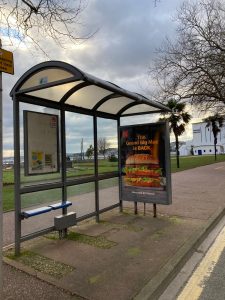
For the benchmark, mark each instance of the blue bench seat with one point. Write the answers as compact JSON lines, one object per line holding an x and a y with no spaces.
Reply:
{"x":36,"y":211}
{"x":41,"y":210}
{"x":60,"y":205}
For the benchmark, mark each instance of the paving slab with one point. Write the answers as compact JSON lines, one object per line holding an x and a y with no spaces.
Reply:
{"x":141,"y":248}
{"x":146,"y":251}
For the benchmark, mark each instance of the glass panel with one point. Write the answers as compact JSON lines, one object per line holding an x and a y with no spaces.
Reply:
{"x":107,"y":145}
{"x":34,"y":179}
{"x":114,"y":105}
{"x":38,"y":179}
{"x":54,"y":93}
{"x":83,"y":198}
{"x":88,"y":96}
{"x":40,"y":199}
{"x":46,"y":76}
{"x":108,"y":192}
{"x":139,"y":109}
{"x":43,"y":198}
{"x":79,"y":145}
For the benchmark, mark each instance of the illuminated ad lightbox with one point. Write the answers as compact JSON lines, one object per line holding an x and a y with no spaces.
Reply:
{"x":41,"y":143}
{"x":145,"y":163}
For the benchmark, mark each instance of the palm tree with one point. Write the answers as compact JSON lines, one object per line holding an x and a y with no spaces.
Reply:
{"x":216,"y":122}
{"x":178,"y":119}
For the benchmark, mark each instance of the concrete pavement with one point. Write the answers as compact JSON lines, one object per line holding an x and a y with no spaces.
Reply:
{"x":145,"y":252}
{"x":19,"y":285}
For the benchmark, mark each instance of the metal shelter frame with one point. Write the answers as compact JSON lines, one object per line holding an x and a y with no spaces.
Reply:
{"x":61,"y":86}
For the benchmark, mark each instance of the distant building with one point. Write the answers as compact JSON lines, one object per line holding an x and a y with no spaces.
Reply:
{"x":184,"y":148}
{"x":203,"y":139}
{"x":112,"y":151}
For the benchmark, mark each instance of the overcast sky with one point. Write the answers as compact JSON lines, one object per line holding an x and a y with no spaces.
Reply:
{"x":128,"y":32}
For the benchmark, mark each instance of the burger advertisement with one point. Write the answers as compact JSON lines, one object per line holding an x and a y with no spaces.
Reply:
{"x":145,"y":163}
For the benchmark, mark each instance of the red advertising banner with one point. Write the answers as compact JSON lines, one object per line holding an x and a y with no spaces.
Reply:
{"x":145,"y":163}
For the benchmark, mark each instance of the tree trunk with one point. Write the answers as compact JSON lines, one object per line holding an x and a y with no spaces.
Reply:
{"x":215,"y":142}
{"x":177,"y":151}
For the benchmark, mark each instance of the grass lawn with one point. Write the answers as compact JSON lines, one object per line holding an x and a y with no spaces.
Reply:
{"x":190,"y":162}
{"x":8,"y":197}
{"x":81,"y":169}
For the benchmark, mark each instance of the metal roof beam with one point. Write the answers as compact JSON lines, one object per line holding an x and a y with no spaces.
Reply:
{"x":103,"y":100}
{"x":142,"y":113}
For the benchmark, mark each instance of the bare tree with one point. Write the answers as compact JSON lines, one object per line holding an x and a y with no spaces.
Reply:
{"x":193,"y":66}
{"x":34,"y":19}
{"x":103,"y":145}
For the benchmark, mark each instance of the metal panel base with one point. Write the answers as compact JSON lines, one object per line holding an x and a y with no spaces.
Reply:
{"x":64,"y":221}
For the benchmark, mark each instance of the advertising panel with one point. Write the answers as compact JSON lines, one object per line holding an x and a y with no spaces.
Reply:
{"x":145,"y":163}
{"x":41,"y":153}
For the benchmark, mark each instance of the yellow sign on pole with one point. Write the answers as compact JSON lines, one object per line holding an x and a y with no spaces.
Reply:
{"x":6,"y":62}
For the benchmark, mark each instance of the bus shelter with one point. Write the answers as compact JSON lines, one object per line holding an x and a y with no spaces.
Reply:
{"x":65,"y":88}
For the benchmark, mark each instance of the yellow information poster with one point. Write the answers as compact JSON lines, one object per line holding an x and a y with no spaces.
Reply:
{"x":37,"y":162}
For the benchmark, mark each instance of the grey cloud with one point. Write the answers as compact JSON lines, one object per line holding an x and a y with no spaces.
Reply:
{"x":129,"y":33}
{"x":121,"y":51}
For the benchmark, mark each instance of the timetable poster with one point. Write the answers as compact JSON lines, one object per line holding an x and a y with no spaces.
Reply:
{"x":41,"y":143}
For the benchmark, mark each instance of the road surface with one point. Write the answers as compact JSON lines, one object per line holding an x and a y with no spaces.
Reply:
{"x":203,"y":276}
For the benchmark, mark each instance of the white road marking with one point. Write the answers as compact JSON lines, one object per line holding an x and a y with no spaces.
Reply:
{"x":196,"y":283}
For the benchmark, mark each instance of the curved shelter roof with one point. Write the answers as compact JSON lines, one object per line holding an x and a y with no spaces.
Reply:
{"x":58,"y":84}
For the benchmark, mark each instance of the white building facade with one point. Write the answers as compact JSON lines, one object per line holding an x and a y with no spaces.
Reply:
{"x":203,"y":139}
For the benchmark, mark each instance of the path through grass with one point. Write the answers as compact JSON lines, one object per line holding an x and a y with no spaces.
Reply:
{"x":186,"y":162}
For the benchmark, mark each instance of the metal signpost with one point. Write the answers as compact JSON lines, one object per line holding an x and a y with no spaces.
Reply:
{"x":6,"y":66}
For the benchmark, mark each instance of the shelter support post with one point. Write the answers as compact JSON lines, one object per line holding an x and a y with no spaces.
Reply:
{"x":1,"y":182}
{"x":119,"y":166}
{"x":96,"y":167}
{"x":63,"y":162}
{"x":135,"y":208}
{"x":16,"y":120}
{"x":154,"y":210}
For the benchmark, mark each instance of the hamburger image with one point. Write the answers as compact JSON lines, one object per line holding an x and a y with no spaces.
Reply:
{"x":142,"y":170}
